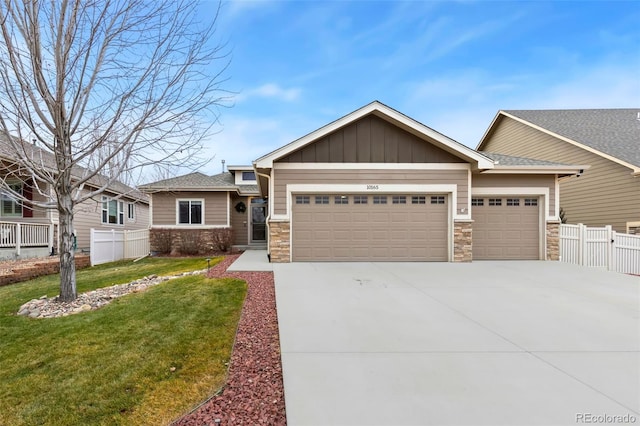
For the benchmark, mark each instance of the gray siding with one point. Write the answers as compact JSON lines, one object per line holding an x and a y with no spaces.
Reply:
{"x":240,"y":221}
{"x":518,"y":181}
{"x":371,"y":140}
{"x":606,"y":194}
{"x":367,"y":176}
{"x":164,"y":207}
{"x":88,"y":214}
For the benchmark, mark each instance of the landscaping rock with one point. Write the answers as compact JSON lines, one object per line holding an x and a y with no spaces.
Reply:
{"x":45,"y":307}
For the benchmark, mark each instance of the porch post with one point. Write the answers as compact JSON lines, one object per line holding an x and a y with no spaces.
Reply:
{"x":18,"y":238}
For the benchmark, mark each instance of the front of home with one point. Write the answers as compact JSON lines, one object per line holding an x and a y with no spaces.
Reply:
{"x":376,"y":185}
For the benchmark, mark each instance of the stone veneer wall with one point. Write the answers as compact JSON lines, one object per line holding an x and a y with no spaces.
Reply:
{"x":462,"y":241}
{"x":280,"y":242}
{"x":553,"y":240}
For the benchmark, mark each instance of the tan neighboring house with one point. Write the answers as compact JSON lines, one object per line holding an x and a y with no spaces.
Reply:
{"x":197,"y":206}
{"x":29,"y":231}
{"x":608,"y":140}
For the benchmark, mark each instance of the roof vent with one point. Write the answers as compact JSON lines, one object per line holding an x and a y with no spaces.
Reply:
{"x":638,"y":117}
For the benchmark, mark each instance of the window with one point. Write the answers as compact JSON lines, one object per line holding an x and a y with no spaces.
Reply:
{"x":248,"y":176}
{"x":530,"y":201}
{"x":131,"y":211}
{"x":495,"y":201}
{"x":302,"y":199}
{"x":477,"y":201}
{"x":360,"y":199}
{"x":513,"y":201}
{"x":322,"y":199}
{"x":438,"y":199}
{"x":11,"y":206}
{"x":379,"y":199}
{"x":112,"y":211}
{"x":418,"y":199}
{"x":190,"y":212}
{"x":399,"y":199}
{"x":341,"y":199}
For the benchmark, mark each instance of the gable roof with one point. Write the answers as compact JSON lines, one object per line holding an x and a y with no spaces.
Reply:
{"x":197,"y":181}
{"x":381,"y":110}
{"x":47,"y":159}
{"x":611,"y":133}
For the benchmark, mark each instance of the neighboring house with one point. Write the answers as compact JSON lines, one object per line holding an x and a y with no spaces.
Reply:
{"x":197,"y":204}
{"x":120,"y":207}
{"x":608,"y":140}
{"x":376,"y":185}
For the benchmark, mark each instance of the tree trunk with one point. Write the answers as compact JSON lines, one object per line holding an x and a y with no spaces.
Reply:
{"x":68,"y":290}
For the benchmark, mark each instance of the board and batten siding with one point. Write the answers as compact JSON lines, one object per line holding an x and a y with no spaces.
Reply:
{"x":88,"y":214}
{"x":518,"y":181}
{"x":606,"y":194}
{"x":370,"y":140}
{"x":283,"y":177}
{"x":165,"y":207}
{"x":240,"y":221}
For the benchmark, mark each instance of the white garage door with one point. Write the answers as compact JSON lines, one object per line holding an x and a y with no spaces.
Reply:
{"x":506,"y":228}
{"x":354,"y":227}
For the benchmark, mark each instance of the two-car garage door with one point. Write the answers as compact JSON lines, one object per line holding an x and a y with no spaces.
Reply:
{"x":363,"y":227}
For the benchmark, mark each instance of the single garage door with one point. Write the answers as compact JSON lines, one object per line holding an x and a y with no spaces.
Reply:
{"x":506,"y":228}
{"x":354,"y":227}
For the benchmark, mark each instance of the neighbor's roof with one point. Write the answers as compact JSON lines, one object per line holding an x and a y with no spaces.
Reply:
{"x":504,"y":163}
{"x":47,"y":159}
{"x":614,"y":132}
{"x":197,"y":181}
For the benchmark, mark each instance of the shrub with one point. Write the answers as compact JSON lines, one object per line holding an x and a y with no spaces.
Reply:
{"x":222,"y":238}
{"x":190,"y":242}
{"x":161,"y":240}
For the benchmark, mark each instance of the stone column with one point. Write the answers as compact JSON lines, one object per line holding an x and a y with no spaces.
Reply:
{"x":462,"y":241}
{"x":553,"y":240}
{"x":280,"y":242}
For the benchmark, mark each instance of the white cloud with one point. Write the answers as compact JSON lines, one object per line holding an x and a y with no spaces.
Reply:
{"x":271,"y":90}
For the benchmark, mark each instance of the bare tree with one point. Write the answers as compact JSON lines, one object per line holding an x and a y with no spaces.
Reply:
{"x":105,"y":87}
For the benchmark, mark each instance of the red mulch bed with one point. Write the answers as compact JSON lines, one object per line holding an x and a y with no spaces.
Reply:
{"x":254,"y":393}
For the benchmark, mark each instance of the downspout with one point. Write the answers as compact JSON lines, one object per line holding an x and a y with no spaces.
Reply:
{"x":268,"y":177}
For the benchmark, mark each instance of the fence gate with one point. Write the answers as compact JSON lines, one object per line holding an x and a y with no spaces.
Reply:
{"x":600,"y":247}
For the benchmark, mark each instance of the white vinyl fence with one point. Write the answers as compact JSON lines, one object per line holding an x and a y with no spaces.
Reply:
{"x":109,"y":246}
{"x":600,"y":247}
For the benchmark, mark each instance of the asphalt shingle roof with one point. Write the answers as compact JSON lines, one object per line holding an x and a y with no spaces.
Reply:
{"x":200,"y":181}
{"x":615,"y":132}
{"x":509,"y":160}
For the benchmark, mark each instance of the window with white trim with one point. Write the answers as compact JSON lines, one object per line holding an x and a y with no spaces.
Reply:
{"x":112,"y":211}
{"x":190,"y":212}
{"x":341,"y":199}
{"x":530,"y":201}
{"x":438,"y":199}
{"x":131,"y":211}
{"x":399,"y":199}
{"x":10,"y":205}
{"x":379,"y":199}
{"x":495,"y":201}
{"x":418,"y":199}
{"x":477,"y":201}
{"x":360,"y":199}
{"x":322,"y":199}
{"x":513,"y":201}
{"x":302,"y":199}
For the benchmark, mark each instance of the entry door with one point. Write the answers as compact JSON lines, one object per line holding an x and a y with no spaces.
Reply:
{"x":258,"y":220}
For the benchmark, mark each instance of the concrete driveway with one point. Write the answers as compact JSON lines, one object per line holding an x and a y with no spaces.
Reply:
{"x":485,"y":343}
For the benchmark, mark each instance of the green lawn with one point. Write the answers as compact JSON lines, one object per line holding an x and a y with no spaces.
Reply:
{"x":145,"y":358}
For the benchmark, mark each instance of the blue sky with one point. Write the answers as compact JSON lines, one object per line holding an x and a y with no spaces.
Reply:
{"x":298,"y":65}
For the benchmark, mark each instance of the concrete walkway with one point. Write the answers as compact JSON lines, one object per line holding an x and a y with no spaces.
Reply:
{"x":250,"y":261}
{"x":486,"y":343}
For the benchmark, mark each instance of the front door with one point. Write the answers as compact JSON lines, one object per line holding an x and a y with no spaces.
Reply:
{"x":258,"y":220}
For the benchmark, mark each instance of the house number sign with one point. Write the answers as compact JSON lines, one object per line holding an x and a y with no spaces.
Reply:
{"x":372,"y":187}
